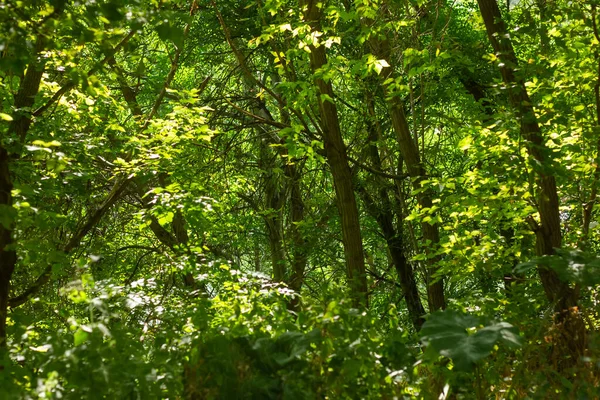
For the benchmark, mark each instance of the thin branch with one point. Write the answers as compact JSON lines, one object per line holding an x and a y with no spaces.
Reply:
{"x":246,"y":71}
{"x":137,"y":265}
{"x":377,"y":172}
{"x":136,"y":247}
{"x":256,"y":117}
{"x":382,"y":278}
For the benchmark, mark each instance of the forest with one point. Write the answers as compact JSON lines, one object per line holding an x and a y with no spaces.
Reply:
{"x":311,"y":199}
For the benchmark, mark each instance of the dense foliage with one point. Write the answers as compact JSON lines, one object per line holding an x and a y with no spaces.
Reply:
{"x":278,"y":199}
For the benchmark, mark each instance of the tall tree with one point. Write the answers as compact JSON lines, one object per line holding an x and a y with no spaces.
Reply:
{"x":548,"y":231}
{"x":411,"y":156}
{"x":335,"y":151}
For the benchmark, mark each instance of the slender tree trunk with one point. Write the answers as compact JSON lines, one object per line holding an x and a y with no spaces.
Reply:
{"x":417,"y":172}
{"x":384,"y":216}
{"x":548,"y":233}
{"x":335,"y":151}
{"x":299,"y":249}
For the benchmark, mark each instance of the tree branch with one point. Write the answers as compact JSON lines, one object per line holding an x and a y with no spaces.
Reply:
{"x":71,"y":84}
{"x":75,"y":240}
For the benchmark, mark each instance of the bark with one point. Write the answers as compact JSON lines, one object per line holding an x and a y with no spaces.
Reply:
{"x":510,"y":278}
{"x":384,"y":215}
{"x":299,"y":250}
{"x":179,"y":228}
{"x":299,"y":242}
{"x":257,"y":256}
{"x":335,"y":151}
{"x":548,"y":232}
{"x":417,"y":172}
{"x":477,"y":90}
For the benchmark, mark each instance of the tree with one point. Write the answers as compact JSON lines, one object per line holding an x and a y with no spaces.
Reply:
{"x":228,"y":199}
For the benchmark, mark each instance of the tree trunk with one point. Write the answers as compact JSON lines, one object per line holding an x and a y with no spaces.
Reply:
{"x":416,"y":170}
{"x":335,"y":151}
{"x":548,"y":233}
{"x":385,"y":219}
{"x":299,"y":249}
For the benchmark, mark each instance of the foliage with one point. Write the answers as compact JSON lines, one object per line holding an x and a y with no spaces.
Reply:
{"x":176,"y":209}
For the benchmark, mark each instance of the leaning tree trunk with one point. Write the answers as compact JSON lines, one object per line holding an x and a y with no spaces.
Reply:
{"x":548,"y":232}
{"x":335,"y":151}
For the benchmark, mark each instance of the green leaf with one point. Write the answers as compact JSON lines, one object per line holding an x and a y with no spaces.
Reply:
{"x":448,"y":332}
{"x":79,"y":337}
{"x":326,"y":97}
{"x":166,"y":218}
{"x":168,"y":32}
{"x":571,"y":266}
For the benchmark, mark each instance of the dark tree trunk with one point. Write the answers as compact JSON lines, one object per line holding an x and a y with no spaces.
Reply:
{"x":384,"y":215}
{"x":299,"y":250}
{"x":273,"y":209}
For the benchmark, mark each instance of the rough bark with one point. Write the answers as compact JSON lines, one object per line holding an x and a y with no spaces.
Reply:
{"x":335,"y":151}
